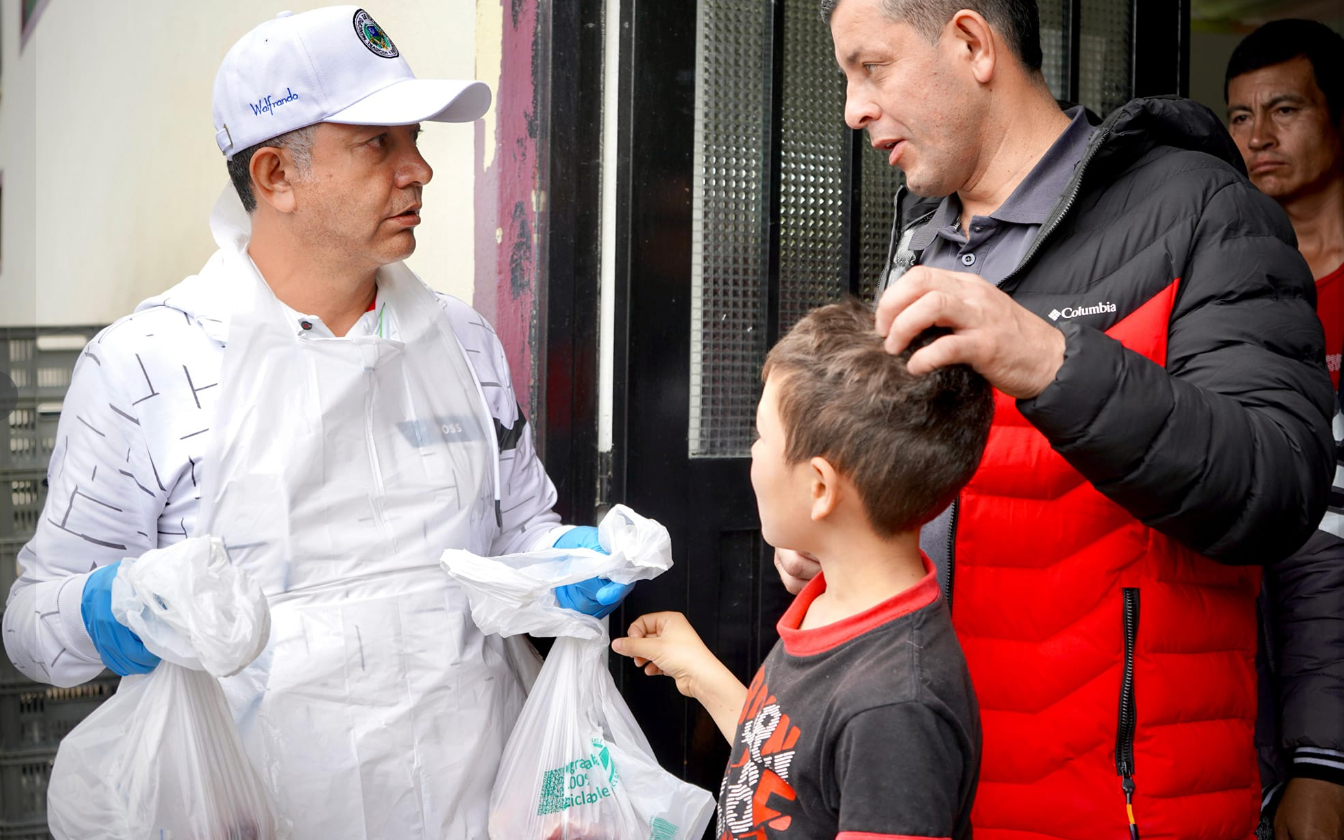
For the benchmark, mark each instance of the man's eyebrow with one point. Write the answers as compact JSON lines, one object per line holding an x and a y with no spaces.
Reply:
{"x":1277,"y":99}
{"x":853,"y":56}
{"x":1292,"y":98}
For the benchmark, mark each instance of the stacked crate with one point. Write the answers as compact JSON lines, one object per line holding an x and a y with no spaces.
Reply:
{"x":33,"y":716}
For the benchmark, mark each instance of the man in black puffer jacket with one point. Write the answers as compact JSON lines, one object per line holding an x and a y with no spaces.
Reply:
{"x":1224,"y":448}
{"x":1162,"y":431}
{"x":1300,"y":727}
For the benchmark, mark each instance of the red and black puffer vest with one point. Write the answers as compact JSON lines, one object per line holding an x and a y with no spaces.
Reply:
{"x":1115,"y":668}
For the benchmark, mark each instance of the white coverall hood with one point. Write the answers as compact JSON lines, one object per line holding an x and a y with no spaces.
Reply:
{"x":206,"y":302}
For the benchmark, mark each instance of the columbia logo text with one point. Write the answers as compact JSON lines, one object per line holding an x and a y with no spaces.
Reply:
{"x":1077,"y":311}
{"x":270,"y":103}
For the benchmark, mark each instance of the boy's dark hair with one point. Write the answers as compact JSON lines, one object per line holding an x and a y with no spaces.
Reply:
{"x":298,"y":142}
{"x":1018,"y":20}
{"x":1283,"y":40}
{"x":908,"y":443}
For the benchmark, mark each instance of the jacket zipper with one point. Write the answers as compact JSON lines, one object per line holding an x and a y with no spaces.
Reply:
{"x":1124,"y":737}
{"x":897,"y":231}
{"x":489,"y":430}
{"x":951,"y":543}
{"x":900,"y":231}
{"x":1075,"y":187}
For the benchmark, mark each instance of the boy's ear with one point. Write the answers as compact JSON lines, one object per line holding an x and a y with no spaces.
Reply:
{"x":824,"y":485}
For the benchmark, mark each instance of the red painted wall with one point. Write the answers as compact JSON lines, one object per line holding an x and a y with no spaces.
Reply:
{"x":507,"y":276}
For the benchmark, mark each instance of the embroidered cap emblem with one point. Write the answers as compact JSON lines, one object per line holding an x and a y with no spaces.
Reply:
{"x":373,"y":36}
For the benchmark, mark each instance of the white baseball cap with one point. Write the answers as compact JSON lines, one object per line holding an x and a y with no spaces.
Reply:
{"x":328,"y":65}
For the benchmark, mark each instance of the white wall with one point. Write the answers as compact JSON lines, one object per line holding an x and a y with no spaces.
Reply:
{"x":105,"y":133}
{"x":18,"y":97}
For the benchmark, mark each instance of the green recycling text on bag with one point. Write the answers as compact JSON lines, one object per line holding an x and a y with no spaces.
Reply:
{"x":577,"y":766}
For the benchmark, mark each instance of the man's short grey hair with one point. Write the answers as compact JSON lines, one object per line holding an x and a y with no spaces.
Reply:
{"x":1018,"y":20}
{"x":299,"y":144}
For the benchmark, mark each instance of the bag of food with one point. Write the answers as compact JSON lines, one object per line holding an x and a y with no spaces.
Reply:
{"x":162,"y":756}
{"x":577,"y":766}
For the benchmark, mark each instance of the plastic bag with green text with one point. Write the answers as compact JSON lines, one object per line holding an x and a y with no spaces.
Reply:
{"x":577,"y":766}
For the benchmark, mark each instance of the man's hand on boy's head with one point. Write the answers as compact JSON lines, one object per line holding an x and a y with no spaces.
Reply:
{"x":1018,"y":352}
{"x":795,"y":568}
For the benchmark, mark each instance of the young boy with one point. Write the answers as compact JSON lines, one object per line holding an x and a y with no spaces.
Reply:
{"x":862,"y":723}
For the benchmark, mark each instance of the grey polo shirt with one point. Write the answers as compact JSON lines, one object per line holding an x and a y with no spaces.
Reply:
{"x":995,"y":244}
{"x":992,"y":247}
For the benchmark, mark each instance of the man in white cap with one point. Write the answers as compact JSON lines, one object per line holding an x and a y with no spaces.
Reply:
{"x":309,"y":401}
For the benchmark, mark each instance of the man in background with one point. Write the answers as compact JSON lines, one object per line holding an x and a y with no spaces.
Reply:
{"x":1285,"y":110}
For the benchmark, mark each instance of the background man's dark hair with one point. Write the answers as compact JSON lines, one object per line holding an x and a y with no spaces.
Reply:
{"x":907,"y":443}
{"x":1283,"y":40}
{"x":299,"y":144}
{"x":1018,"y":20}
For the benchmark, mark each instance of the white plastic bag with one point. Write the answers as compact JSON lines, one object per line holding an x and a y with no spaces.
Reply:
{"x":162,"y":757}
{"x":577,"y":766}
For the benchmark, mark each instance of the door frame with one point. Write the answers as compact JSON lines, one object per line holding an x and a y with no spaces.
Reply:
{"x":649,"y":467}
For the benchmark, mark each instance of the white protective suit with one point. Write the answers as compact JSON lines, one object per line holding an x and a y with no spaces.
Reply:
{"x":336,"y":471}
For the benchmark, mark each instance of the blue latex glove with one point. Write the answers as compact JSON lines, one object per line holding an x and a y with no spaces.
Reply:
{"x":598,"y":596}
{"x":120,"y":649}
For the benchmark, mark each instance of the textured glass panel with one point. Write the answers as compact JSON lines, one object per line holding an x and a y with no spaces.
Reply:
{"x":728,"y":259}
{"x":880,"y":180}
{"x":1104,"y":74}
{"x":812,"y":167}
{"x":1054,"y":25}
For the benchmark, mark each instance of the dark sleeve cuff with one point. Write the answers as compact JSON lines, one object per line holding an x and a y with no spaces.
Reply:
{"x":1314,"y":763}
{"x":1066,"y":410}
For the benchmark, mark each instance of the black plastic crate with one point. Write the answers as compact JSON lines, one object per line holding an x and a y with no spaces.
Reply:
{"x":28,"y":831}
{"x":39,"y":359}
{"x":9,"y":564}
{"x":9,"y":571}
{"x":22,"y":494}
{"x":28,"y":435}
{"x":35,"y":717}
{"x":23,"y":785}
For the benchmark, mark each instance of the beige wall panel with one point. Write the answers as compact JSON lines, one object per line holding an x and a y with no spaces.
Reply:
{"x":105,"y":131}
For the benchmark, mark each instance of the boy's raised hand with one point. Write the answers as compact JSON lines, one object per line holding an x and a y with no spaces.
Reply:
{"x":665,"y":643}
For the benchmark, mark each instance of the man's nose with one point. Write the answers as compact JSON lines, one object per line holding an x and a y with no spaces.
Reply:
{"x":414,"y":169}
{"x":1262,"y":133}
{"x":859,"y":110}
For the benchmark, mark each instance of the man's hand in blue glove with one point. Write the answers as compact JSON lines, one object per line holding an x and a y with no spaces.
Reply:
{"x":598,"y":596}
{"x":120,"y":649}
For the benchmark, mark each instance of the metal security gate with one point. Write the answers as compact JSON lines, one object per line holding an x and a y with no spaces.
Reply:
{"x":742,"y":201}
